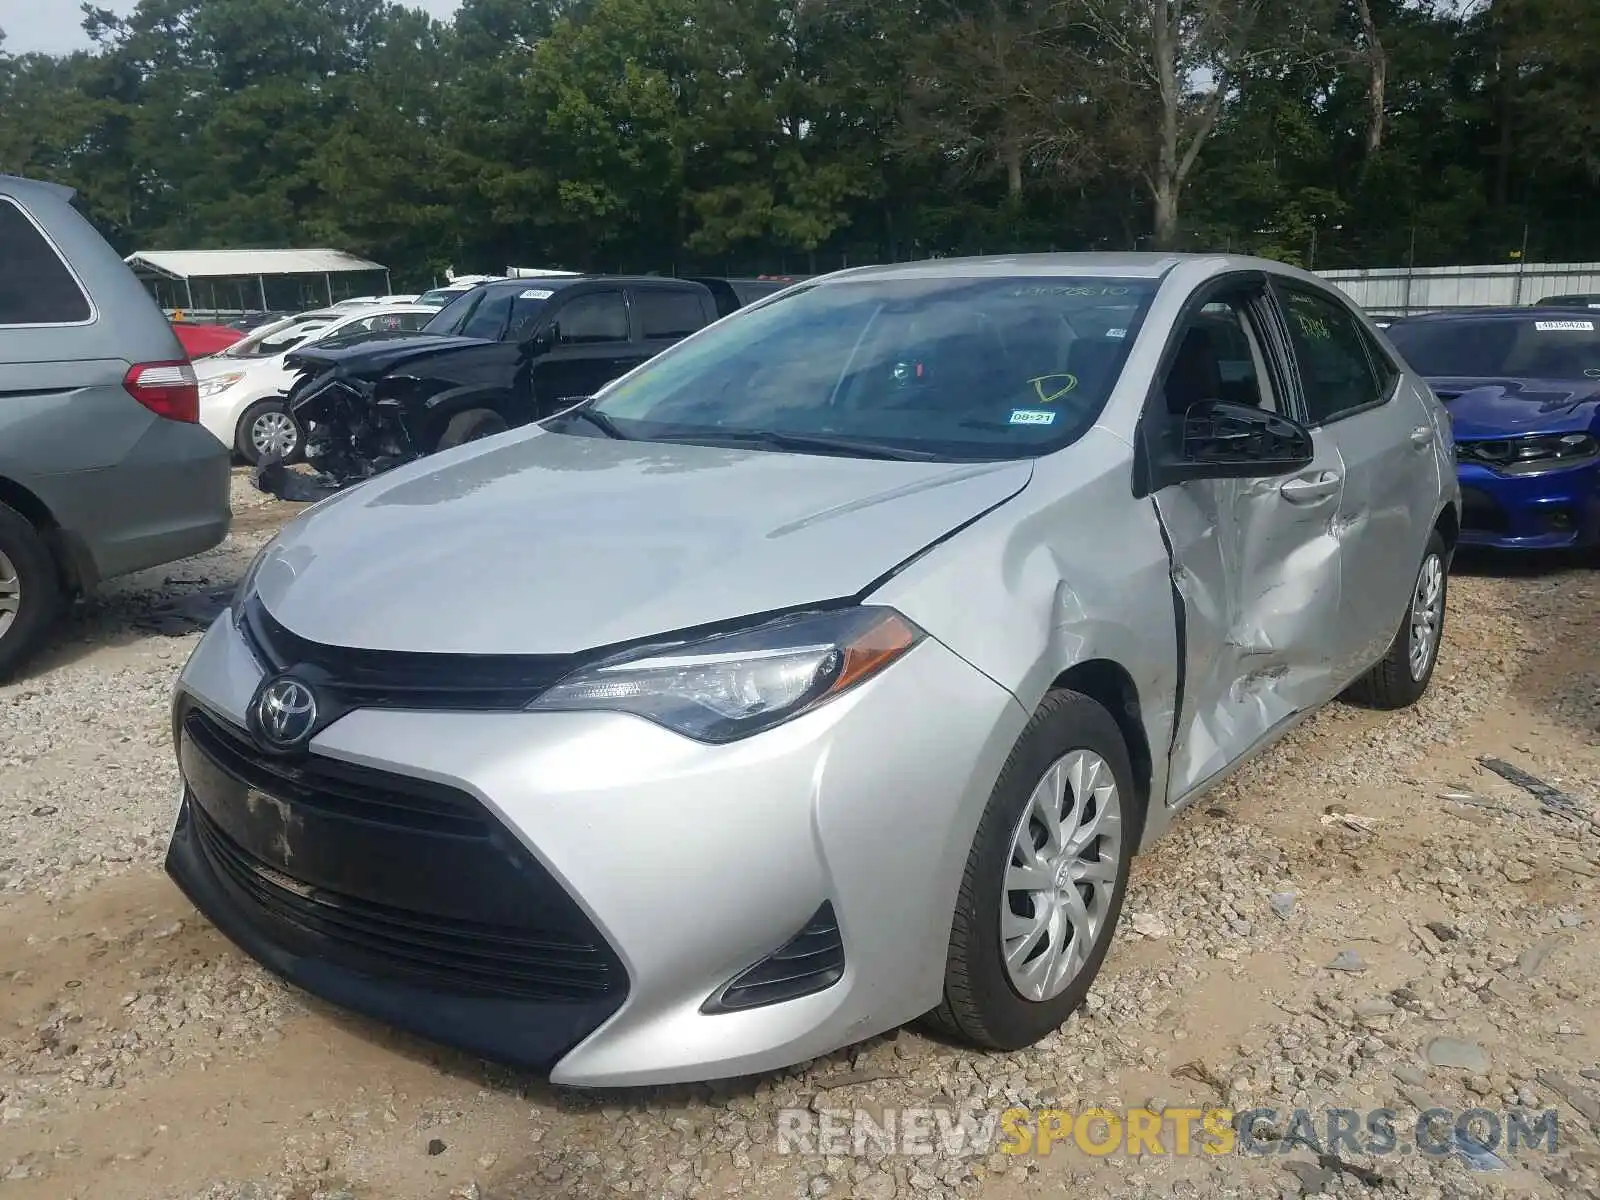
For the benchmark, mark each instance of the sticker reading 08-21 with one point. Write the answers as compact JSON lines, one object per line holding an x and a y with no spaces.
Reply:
{"x":1032,"y":416}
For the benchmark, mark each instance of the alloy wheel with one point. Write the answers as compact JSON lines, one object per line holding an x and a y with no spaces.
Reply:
{"x":1427,"y":607}
{"x":274,"y":434}
{"x":1061,"y":876}
{"x":10,"y":594}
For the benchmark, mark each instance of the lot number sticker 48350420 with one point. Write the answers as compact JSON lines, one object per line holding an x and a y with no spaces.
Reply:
{"x":1564,"y":326}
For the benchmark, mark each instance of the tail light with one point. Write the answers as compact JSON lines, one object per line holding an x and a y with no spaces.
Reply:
{"x":168,"y":389}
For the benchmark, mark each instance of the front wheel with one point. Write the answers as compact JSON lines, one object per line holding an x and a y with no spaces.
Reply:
{"x":267,"y":431}
{"x":1403,"y":676}
{"x":1044,"y":881}
{"x":470,"y":426}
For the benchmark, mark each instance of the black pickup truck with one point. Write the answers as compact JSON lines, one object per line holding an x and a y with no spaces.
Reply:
{"x":502,"y":355}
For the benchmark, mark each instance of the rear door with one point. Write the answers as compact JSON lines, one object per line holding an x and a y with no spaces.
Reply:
{"x":589,"y":346}
{"x":1256,"y":568}
{"x":1354,"y":394}
{"x":664,"y":315}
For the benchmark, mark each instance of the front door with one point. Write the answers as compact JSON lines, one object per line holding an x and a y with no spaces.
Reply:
{"x":1356,"y":397}
{"x":1256,"y":567}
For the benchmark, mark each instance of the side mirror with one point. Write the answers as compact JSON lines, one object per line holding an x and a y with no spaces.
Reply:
{"x":1219,"y":440}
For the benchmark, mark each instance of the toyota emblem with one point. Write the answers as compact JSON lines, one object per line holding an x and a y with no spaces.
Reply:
{"x":284,"y":713}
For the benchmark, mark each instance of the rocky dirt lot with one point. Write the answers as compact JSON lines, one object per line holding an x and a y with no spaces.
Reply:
{"x":1367,"y":917}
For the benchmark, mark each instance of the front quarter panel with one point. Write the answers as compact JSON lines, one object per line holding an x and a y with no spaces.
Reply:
{"x":1073,"y":569}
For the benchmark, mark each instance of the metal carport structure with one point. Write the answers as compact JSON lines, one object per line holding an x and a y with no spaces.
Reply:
{"x":240,"y":281}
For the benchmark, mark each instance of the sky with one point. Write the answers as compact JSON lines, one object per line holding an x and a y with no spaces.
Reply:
{"x":56,"y":26}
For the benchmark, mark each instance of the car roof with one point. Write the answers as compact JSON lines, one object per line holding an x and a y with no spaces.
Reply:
{"x":1498,"y":313}
{"x":1130,"y":264}
{"x":16,"y":185}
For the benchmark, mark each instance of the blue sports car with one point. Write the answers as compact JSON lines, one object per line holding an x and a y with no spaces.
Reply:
{"x":1522,"y":386}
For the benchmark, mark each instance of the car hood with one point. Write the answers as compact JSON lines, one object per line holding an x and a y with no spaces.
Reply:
{"x":1496,"y":408}
{"x":378,"y":353}
{"x":542,"y":543}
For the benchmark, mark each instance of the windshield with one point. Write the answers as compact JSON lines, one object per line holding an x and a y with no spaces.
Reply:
{"x":454,"y":312}
{"x":440,"y":296}
{"x":1502,"y":348}
{"x":951,"y":368}
{"x":280,"y":336}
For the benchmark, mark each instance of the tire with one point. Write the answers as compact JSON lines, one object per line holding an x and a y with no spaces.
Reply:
{"x":470,"y":426}
{"x":1395,"y":682}
{"x":982,"y":1002}
{"x":275,"y":413}
{"x":30,"y":591}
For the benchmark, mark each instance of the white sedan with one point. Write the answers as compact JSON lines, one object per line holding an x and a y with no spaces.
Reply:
{"x":242,"y":389}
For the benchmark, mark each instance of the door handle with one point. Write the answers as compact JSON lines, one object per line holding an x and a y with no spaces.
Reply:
{"x":1421,"y":436}
{"x":1310,"y":491}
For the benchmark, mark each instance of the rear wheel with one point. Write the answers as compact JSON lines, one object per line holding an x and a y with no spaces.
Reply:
{"x":268,"y":431}
{"x":470,"y":426}
{"x":30,"y":590}
{"x":1044,"y":881}
{"x":1403,"y":676}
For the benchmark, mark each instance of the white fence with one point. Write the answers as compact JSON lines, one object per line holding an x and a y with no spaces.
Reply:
{"x":1397,"y":291}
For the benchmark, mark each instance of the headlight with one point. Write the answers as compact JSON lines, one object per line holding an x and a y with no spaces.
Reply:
{"x":1530,"y":455}
{"x":219,"y":384}
{"x":728,"y":687}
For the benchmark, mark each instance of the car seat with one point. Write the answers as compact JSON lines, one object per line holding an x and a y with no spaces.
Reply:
{"x":1195,"y":374}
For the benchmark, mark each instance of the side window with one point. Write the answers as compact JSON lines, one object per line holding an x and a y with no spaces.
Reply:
{"x":36,"y":288}
{"x":596,"y":317}
{"x":488,"y":320}
{"x":1336,"y":372}
{"x":664,"y":314}
{"x":1219,"y":358}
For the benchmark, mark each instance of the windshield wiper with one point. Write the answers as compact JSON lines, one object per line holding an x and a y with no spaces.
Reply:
{"x":599,"y":420}
{"x":810,"y":443}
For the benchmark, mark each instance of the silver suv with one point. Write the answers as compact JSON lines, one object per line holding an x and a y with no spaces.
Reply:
{"x":824,"y":672}
{"x":103,"y":469}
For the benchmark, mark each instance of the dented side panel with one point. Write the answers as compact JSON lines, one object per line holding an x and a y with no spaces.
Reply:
{"x":1259,"y":578}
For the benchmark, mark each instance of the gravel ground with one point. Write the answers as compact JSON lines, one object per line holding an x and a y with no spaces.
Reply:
{"x":1366,"y":917}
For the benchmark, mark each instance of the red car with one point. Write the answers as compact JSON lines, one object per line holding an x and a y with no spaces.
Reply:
{"x":201,"y":340}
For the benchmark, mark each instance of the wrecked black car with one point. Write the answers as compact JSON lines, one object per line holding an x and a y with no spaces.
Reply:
{"x":502,"y":355}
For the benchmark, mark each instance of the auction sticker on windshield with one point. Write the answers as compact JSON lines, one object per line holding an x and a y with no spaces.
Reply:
{"x":536,"y":294}
{"x":1571,"y":326}
{"x":1032,"y":416}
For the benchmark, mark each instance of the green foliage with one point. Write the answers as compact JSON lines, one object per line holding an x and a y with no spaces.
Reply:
{"x":774,"y":134}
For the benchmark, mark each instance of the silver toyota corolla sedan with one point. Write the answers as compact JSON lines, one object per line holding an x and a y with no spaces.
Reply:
{"x":823,"y":673}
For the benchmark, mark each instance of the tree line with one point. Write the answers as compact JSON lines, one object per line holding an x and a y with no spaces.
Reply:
{"x":797,"y":135}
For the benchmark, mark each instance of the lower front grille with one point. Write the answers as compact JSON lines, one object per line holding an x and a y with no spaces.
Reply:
{"x":1481,"y":513}
{"x":811,"y":961}
{"x":459,"y":957}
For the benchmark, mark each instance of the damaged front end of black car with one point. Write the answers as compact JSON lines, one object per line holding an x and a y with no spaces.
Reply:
{"x":368,"y":409}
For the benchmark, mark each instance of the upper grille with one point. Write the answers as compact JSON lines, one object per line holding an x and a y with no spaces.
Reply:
{"x":339,"y":789}
{"x":453,"y":956}
{"x":360,"y":678}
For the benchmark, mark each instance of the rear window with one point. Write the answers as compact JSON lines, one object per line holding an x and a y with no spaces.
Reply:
{"x":1545,"y":347}
{"x":666,"y":314}
{"x":36,"y":288}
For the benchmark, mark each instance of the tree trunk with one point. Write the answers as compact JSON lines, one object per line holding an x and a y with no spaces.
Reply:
{"x":1377,"y":77}
{"x":1013,"y":160}
{"x":1168,"y":173}
{"x":1166,"y":215}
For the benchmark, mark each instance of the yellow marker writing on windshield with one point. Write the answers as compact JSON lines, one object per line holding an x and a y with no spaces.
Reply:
{"x":1053,"y":387}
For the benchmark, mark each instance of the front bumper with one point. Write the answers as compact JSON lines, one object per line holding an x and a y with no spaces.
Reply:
{"x":1550,"y":511}
{"x":667,"y":866}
